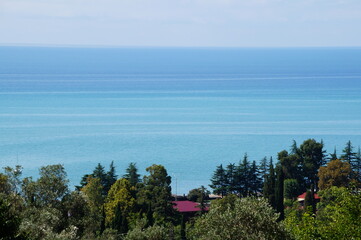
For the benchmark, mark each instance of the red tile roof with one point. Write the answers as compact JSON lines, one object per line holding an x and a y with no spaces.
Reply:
{"x":187,"y":206}
{"x":303,"y":196}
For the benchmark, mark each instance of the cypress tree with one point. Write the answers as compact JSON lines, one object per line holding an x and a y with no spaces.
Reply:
{"x":279,"y":191}
{"x":269,"y":185}
{"x":183,"y":229}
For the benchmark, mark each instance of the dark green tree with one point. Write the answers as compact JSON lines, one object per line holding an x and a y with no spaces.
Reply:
{"x":312,"y":158}
{"x":9,"y":222}
{"x":156,"y":193}
{"x":255,"y":180}
{"x":243,"y":176}
{"x":111,"y":177}
{"x":333,"y":156}
{"x":99,"y":172}
{"x":348,"y":154}
{"x":263,"y":168}
{"x":219,"y":182}
{"x":119,"y":222}
{"x":132,"y":174}
{"x":230,"y":178}
{"x":291,"y":189}
{"x":269,"y":185}
{"x":279,"y":191}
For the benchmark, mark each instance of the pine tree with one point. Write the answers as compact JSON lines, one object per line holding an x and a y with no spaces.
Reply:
{"x":279,"y":191}
{"x":333,"y":156}
{"x":230,"y":178}
{"x":349,"y":155}
{"x":255,"y":180}
{"x":132,"y":174}
{"x":243,"y":177}
{"x":263,"y":168}
{"x":294,"y":148}
{"x":218,"y":180}
{"x":111,"y":177}
{"x":99,"y":172}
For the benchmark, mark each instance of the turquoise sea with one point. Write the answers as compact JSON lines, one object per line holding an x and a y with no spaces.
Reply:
{"x":189,"y":109}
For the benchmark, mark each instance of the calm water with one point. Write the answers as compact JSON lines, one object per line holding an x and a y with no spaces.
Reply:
{"x":188,"y":109}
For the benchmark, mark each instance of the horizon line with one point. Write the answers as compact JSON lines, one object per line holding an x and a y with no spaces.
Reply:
{"x":164,"y":47}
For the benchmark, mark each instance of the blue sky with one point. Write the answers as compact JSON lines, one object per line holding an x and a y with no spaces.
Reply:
{"x":206,"y":23}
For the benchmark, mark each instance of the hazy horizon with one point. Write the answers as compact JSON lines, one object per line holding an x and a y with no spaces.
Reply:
{"x":197,"y":23}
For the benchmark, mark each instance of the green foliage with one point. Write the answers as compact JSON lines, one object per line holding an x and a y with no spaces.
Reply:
{"x":13,"y":178}
{"x":52,"y":185}
{"x":338,"y":217}
{"x":121,"y":194}
{"x":246,"y":218}
{"x":244,"y":179}
{"x":279,"y":190}
{"x":150,"y":233}
{"x":291,"y":188}
{"x":132,"y":174}
{"x":219,"y":182}
{"x":270,"y":185}
{"x":156,"y":194}
{"x":9,"y":222}
{"x":312,"y":156}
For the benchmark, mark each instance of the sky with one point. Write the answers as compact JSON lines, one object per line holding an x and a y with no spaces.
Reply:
{"x":181,"y":23}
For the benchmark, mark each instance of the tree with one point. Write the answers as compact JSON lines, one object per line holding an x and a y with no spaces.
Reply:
{"x":333,"y":156}
{"x":195,"y":195}
{"x":270,"y":185}
{"x":312,"y":157}
{"x":93,"y":192}
{"x":255,"y":180}
{"x":132,"y":174}
{"x":219,"y":181}
{"x":348,"y":154}
{"x":52,"y":185}
{"x":338,"y":217}
{"x":156,"y":193}
{"x":263,"y":168}
{"x":246,"y":218}
{"x":279,"y":191}
{"x":111,"y":177}
{"x":243,"y":176}
{"x":9,"y":222}
{"x":336,"y":173}
{"x":13,"y":178}
{"x":291,"y":189}
{"x":230,"y":178}
{"x":121,"y":194}
{"x":99,"y":172}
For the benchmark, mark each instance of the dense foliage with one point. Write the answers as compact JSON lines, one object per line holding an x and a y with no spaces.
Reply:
{"x":104,"y":206}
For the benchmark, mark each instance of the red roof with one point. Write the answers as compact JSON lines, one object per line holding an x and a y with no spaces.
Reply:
{"x":187,"y":206}
{"x":303,"y":196}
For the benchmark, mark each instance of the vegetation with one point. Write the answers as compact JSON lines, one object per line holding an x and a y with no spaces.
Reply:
{"x":104,"y":206}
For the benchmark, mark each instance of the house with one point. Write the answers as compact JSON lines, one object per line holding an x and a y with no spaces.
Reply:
{"x":301,"y":198}
{"x":187,"y":208}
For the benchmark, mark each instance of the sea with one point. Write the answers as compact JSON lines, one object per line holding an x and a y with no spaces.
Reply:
{"x":188,"y":109}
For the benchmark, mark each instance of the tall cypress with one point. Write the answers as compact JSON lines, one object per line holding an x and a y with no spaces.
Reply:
{"x":269,"y":185}
{"x":279,"y":192}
